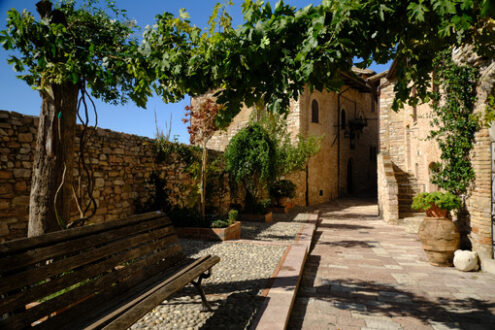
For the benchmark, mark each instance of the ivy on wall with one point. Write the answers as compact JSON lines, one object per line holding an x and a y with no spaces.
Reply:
{"x":454,"y":123}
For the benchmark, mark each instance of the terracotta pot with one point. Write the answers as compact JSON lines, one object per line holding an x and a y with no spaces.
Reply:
{"x":436,"y":212}
{"x":231,"y":232}
{"x":439,"y":238}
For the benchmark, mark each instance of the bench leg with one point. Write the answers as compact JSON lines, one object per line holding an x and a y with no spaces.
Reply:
{"x":197,"y":284}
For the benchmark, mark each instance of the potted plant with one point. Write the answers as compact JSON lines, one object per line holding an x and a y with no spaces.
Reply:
{"x":438,"y":234}
{"x":436,"y":204}
{"x":220,"y":229}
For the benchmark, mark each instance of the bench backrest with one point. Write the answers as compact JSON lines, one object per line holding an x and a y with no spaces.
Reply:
{"x":46,"y":274}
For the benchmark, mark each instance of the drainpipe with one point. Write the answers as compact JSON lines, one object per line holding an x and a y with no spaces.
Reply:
{"x":338,"y":140}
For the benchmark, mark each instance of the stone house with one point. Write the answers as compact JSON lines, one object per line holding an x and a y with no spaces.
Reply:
{"x":405,"y":161}
{"x":346,"y":162}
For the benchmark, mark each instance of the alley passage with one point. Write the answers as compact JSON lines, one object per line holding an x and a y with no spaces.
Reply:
{"x":365,"y":274}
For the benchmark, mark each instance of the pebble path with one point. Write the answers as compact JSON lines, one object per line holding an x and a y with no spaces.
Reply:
{"x":235,"y":285}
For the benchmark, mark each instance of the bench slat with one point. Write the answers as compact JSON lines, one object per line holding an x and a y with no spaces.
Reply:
{"x":119,"y":303}
{"x":171,"y":286}
{"x":34,"y":256}
{"x":111,"y":274}
{"x":97,"y":306}
{"x":64,"y":235}
{"x":29,"y":276}
{"x":98,"y":285}
{"x":21,"y":299}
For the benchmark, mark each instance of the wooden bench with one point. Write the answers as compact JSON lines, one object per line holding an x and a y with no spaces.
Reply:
{"x":107,"y":275}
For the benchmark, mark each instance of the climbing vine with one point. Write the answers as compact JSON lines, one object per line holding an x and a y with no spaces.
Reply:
{"x":454,"y":123}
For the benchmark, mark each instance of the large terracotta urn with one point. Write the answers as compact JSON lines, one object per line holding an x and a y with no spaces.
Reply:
{"x":439,"y":238}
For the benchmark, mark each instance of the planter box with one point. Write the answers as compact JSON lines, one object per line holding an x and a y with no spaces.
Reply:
{"x":231,"y":232}
{"x":257,"y":217}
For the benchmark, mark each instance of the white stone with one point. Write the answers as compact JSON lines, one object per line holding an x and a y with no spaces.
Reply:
{"x":466,"y":261}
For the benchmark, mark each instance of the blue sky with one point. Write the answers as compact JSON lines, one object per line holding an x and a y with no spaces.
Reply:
{"x":17,"y":96}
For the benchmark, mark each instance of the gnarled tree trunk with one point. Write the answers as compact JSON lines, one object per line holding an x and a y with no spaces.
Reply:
{"x":204,"y":159}
{"x":54,"y":153}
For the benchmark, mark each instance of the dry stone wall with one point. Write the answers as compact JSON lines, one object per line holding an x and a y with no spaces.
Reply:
{"x":122,"y":163}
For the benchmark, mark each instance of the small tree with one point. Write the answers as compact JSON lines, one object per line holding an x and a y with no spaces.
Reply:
{"x":66,"y":53}
{"x":202,"y":126}
{"x":250,"y":159}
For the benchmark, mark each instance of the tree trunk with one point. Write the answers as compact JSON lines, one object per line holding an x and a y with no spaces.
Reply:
{"x":203,"y":182}
{"x":54,"y":152}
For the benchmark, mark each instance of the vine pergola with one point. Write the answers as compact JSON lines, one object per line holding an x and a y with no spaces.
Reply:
{"x":73,"y":49}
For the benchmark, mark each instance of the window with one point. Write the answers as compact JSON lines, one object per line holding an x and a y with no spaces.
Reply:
{"x":342,"y":119}
{"x":314,"y":112}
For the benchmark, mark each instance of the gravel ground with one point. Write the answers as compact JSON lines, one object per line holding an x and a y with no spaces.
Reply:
{"x":275,"y":231}
{"x":233,"y":288}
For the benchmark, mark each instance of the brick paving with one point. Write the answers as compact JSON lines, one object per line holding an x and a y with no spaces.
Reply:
{"x":365,"y":274}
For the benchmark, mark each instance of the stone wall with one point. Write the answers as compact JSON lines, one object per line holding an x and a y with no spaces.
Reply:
{"x":387,"y":189}
{"x":322,"y":177}
{"x":403,"y":136}
{"x":122,"y":165}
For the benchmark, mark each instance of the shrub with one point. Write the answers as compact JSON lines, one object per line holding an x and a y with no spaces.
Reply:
{"x":283,"y":188}
{"x":250,"y":159}
{"x":220,"y":223}
{"x":446,"y":201}
{"x":233,"y":215}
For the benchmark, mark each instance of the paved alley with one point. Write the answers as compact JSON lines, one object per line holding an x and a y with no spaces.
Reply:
{"x":365,"y":274}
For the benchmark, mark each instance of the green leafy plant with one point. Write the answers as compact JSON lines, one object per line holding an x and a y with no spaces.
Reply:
{"x":223,"y":223}
{"x":283,"y":188}
{"x":220,"y":223}
{"x":489,"y":111}
{"x":290,"y":155}
{"x":250,"y":159}
{"x":446,"y":201}
{"x":233,"y":214}
{"x":454,"y":123}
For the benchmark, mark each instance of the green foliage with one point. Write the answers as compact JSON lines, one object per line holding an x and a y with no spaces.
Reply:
{"x":283,"y":188}
{"x":445,"y":201}
{"x":309,"y":46}
{"x":233,"y":214}
{"x":454,"y":124}
{"x":221,"y":223}
{"x":489,"y":111}
{"x":86,"y":46}
{"x":250,"y":159}
{"x":312,"y":45}
{"x":289,"y":157}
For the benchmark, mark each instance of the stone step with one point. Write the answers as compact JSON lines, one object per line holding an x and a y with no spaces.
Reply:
{"x":406,"y":179}
{"x":408,"y":191}
{"x":407,"y":185}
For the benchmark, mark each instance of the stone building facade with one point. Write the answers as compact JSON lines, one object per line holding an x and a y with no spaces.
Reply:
{"x":122,"y":164}
{"x":405,"y":162}
{"x":346,"y":162}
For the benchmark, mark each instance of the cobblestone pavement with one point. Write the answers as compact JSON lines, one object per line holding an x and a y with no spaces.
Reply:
{"x":235,"y":286}
{"x":365,"y":274}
